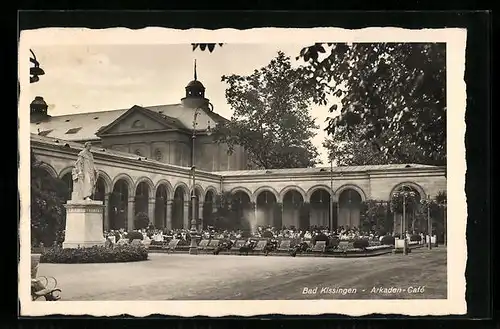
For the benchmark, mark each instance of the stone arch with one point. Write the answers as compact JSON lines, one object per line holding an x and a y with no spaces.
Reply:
{"x":65,"y":171}
{"x":315,"y":188}
{"x":129,"y":180}
{"x":210,"y":189}
{"x":411,"y":184}
{"x":200,"y":190}
{"x":292,"y":188}
{"x":244,"y":190}
{"x":186,"y":190}
{"x":354,"y":187}
{"x":167,"y":184}
{"x":146,"y":180}
{"x":108,"y":183}
{"x":49,"y":169}
{"x":265,"y":188}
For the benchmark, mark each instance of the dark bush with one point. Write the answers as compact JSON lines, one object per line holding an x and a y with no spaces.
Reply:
{"x":415,"y":237}
{"x":319,"y":237}
{"x":267,"y":234}
{"x":141,"y":220}
{"x":96,"y":254}
{"x":333,"y":242}
{"x":361,"y":244}
{"x":388,"y":240}
{"x":134,"y":235}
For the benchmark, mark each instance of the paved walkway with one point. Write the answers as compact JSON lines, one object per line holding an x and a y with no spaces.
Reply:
{"x":187,"y":277}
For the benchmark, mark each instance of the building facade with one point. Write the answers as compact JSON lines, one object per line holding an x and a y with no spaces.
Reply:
{"x":161,"y":132}
{"x":130,"y":183}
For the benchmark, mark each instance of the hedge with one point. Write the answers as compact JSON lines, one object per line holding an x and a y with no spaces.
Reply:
{"x":360,"y":244}
{"x":95,"y":254}
{"x":388,"y":240}
{"x":415,"y":237}
{"x":134,"y":235}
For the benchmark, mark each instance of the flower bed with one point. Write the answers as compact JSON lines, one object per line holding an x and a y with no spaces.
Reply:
{"x":96,"y":254}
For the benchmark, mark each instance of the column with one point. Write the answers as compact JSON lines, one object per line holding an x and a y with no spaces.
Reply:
{"x":130,"y":213}
{"x":200,"y":214}
{"x":106,"y":212}
{"x":151,"y":209}
{"x":185,"y":214}
{"x":168,"y":217}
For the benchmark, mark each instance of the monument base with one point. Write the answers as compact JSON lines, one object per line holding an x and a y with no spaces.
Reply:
{"x":84,"y":219}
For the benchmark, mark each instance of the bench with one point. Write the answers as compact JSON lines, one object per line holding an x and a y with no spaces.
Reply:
{"x":261,"y":245}
{"x":172,"y":245}
{"x":320,"y":246}
{"x":237,"y":245}
{"x":285,"y":245}
{"x":203,"y":244}
{"x":212,"y":245}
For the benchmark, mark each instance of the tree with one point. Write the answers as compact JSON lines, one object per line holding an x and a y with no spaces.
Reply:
{"x":141,"y":220}
{"x":48,"y":215}
{"x":271,"y":118}
{"x":393,"y":96}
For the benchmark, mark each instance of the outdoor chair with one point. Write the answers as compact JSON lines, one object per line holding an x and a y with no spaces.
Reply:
{"x":260,"y":246}
{"x":285,"y":245}
{"x":172,"y":245}
{"x":237,"y":245}
{"x":203,"y":244}
{"x":43,"y":286}
{"x":320,"y":246}
{"x":212,"y":245}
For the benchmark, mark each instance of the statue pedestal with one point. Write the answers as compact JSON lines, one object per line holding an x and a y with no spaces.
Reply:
{"x":83,"y":224}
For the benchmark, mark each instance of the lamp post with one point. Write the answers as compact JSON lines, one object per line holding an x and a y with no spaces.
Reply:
{"x":404,"y":194}
{"x":193,"y":232}
{"x":429,"y":222}
{"x":36,"y":70}
{"x":331,"y":193}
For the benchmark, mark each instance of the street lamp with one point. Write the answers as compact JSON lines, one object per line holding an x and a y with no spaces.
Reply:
{"x":331,"y":193}
{"x":193,"y":232}
{"x":404,"y":194}
{"x":36,"y":70}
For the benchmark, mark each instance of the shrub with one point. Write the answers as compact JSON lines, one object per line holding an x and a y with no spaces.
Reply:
{"x":333,"y":242}
{"x":415,"y":237}
{"x":267,"y":234}
{"x":141,"y":220}
{"x":95,"y":254}
{"x":133,"y":235}
{"x":388,"y":240}
{"x":319,"y":237}
{"x":360,"y":244}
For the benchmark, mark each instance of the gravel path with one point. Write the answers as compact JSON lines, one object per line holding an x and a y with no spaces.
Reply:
{"x":224,"y":277}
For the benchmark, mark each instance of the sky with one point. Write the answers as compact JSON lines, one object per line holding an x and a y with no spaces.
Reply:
{"x":89,"y":78}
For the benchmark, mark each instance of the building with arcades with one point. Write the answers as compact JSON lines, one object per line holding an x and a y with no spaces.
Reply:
{"x":129,"y":183}
{"x":145,"y":155}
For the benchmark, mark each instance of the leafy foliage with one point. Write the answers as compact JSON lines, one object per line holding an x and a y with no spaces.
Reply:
{"x":134,"y":235}
{"x":95,"y":254}
{"x":375,"y":216}
{"x":393,"y":98}
{"x":361,"y":244}
{"x":271,"y":118}
{"x":388,"y":240}
{"x":48,"y":215}
{"x":141,"y":220}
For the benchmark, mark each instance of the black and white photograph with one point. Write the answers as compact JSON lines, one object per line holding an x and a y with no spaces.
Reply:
{"x":311,"y":171}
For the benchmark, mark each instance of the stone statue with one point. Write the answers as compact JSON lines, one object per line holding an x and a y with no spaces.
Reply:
{"x":84,"y":175}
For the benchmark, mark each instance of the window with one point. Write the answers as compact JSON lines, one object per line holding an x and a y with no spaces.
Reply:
{"x":45,"y":132}
{"x":158,"y":155}
{"x":138,"y":124}
{"x":73,"y":130}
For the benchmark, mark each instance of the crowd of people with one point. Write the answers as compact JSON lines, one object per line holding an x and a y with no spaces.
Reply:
{"x":341,"y":233}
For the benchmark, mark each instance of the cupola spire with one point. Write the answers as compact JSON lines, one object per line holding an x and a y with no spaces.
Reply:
{"x":195,"y":74}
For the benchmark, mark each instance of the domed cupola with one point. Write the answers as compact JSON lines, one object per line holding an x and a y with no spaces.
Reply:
{"x":195,"y":93}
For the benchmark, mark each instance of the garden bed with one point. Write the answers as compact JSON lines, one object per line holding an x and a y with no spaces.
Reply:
{"x":96,"y":254}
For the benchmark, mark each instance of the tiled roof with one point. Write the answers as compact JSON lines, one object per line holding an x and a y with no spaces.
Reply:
{"x":100,"y":150}
{"x":91,"y":122}
{"x":342,"y":169}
